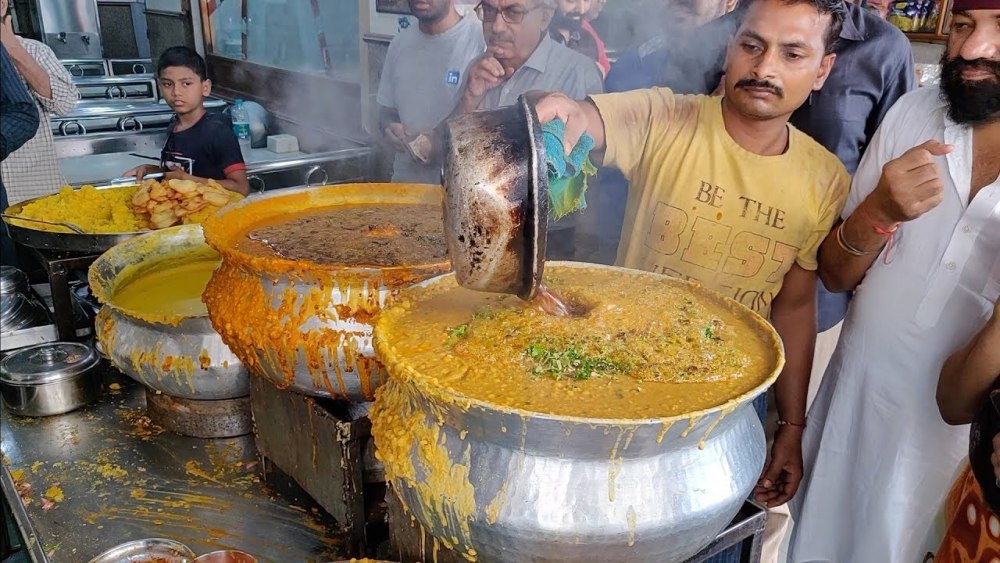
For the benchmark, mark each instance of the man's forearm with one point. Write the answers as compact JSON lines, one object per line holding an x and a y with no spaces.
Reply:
{"x":841,"y":270}
{"x":968,"y":374}
{"x":796,"y":324}
{"x":33,"y":73}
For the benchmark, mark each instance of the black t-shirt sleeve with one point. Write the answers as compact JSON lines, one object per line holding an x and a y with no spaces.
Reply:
{"x":227,"y":148}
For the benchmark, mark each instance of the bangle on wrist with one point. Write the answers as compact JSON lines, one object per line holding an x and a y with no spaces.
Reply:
{"x":848,"y":247}
{"x":795,"y":424}
{"x":888,"y":232}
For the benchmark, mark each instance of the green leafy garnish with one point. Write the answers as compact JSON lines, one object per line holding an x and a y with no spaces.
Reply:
{"x":568,"y":361}
{"x":709,"y":333}
{"x":457,"y":332}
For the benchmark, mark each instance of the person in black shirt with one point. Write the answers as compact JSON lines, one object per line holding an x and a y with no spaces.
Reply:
{"x":200,"y":146}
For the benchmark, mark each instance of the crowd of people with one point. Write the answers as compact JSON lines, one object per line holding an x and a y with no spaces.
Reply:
{"x":779,"y":152}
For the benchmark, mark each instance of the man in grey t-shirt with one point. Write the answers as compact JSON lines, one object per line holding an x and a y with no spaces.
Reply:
{"x":421,"y":84}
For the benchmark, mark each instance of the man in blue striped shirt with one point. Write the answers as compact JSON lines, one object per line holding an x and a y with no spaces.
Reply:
{"x":18,"y":123}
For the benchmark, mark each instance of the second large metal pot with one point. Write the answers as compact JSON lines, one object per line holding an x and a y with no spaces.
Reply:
{"x":301,"y":325}
{"x":182,"y":357}
{"x":497,"y":484}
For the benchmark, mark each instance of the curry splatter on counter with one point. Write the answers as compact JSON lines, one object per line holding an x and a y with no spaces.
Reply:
{"x":83,"y":482}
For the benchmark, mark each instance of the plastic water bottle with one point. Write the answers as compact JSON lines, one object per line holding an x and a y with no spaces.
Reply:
{"x":241,"y":125}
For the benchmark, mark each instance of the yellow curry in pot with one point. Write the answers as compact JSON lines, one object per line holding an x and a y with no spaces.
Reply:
{"x":647,"y":346}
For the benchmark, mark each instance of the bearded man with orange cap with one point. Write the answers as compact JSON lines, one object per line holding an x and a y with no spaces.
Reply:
{"x":919,"y":243}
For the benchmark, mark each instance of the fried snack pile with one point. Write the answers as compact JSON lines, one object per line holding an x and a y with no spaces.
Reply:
{"x":165,"y":204}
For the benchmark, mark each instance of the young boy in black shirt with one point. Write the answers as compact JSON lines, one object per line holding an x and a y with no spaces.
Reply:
{"x":200,"y":146}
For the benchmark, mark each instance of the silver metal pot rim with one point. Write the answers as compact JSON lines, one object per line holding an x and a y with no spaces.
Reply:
{"x":104,"y":291}
{"x":296,"y":268}
{"x":151,"y":547}
{"x":438,"y":393}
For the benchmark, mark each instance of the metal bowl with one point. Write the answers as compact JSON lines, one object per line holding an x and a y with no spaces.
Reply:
{"x":49,"y":379}
{"x":496,"y":199}
{"x":143,"y":551}
{"x":226,"y":556}
{"x":503,"y":484}
{"x":185,"y":358}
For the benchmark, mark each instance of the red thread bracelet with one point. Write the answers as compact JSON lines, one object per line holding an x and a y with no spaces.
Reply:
{"x":884,"y":231}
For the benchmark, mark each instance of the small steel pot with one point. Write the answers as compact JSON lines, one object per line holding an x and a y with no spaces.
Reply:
{"x":496,"y":199}
{"x":49,"y":379}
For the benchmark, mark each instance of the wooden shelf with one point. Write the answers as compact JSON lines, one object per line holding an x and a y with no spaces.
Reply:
{"x":926,"y":36}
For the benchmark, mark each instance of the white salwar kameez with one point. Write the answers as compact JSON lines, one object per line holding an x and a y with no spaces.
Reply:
{"x":879,"y":460}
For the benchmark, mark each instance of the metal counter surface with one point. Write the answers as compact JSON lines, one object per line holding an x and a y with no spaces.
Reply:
{"x":83,"y":482}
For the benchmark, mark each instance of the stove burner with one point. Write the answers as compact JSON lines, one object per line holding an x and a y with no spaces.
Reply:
{"x":225,"y":418}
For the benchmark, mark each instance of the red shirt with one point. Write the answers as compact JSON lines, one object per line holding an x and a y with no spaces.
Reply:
{"x":602,"y":53}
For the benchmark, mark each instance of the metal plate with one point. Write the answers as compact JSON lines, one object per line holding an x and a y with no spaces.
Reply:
{"x":64,"y":242}
{"x":146,"y":551}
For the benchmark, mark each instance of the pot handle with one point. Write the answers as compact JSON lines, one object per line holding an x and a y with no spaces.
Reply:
{"x":257,"y":184}
{"x":314,"y":170}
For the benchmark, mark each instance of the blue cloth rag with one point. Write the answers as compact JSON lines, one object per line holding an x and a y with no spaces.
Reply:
{"x":567,"y":174}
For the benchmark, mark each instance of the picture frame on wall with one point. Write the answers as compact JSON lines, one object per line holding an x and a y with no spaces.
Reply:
{"x":393,"y":7}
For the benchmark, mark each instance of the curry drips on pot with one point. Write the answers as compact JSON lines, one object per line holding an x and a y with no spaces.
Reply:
{"x":645,"y":348}
{"x":283,"y":317}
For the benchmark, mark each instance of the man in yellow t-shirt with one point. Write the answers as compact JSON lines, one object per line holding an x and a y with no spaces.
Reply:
{"x":724,"y":191}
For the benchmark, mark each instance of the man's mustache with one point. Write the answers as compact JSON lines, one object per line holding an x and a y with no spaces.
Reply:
{"x":958,"y":64}
{"x":755,"y":83}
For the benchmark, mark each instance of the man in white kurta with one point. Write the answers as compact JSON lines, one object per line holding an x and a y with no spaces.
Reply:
{"x":878,"y":458}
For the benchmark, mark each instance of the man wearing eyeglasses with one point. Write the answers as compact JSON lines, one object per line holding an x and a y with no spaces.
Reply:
{"x":520,"y":56}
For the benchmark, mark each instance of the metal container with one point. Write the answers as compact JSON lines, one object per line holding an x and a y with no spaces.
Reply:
{"x":301,"y":325}
{"x":144,"y":551}
{"x":13,"y":280}
{"x":66,"y":242}
{"x":226,"y":556}
{"x":500,"y":484}
{"x":182,"y":357}
{"x":496,"y":199}
{"x":19,"y":311}
{"x":49,"y":379}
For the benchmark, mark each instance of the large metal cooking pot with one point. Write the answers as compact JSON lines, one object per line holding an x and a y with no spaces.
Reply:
{"x":65,"y":242}
{"x":499,"y":484}
{"x":182,"y":357}
{"x":496,"y":199}
{"x":301,"y":325}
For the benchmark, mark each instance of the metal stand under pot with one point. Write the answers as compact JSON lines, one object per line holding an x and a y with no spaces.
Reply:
{"x":224,"y":418}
